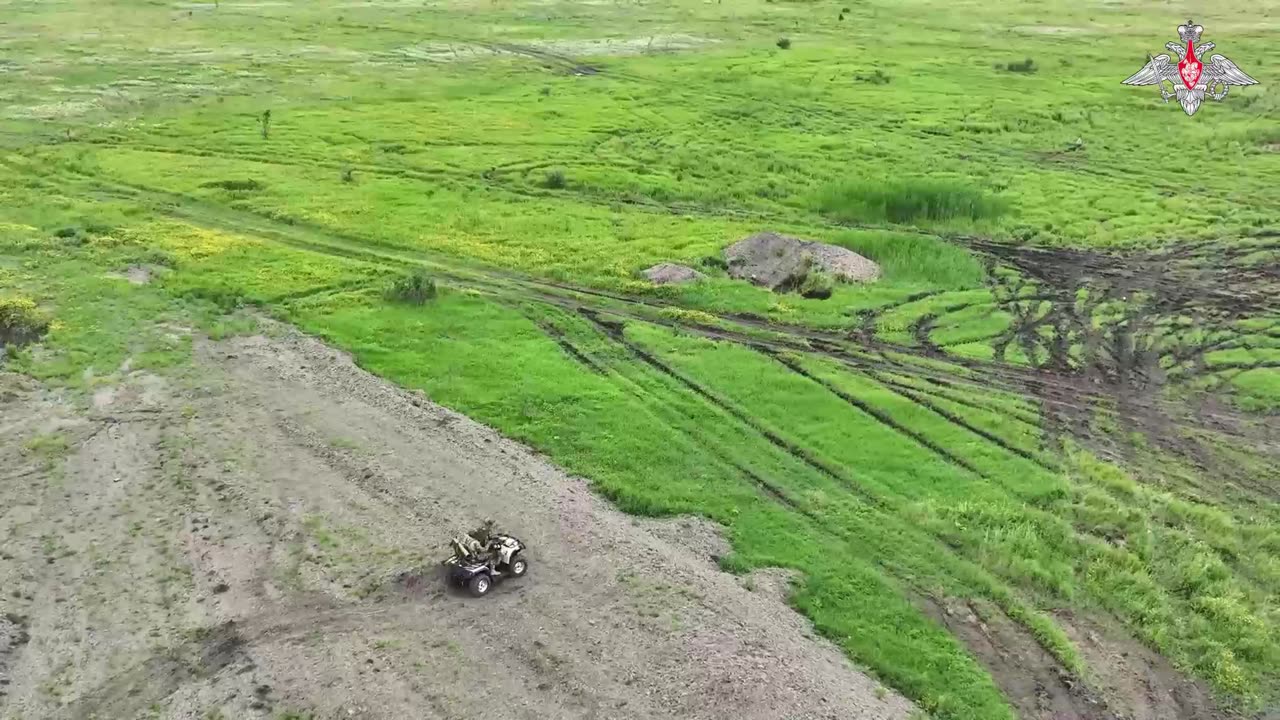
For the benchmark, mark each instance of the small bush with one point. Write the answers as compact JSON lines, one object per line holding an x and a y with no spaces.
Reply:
{"x":817,"y":285}
{"x":415,"y":288}
{"x":555,"y":179}
{"x":714,"y":262}
{"x":20,"y":321}
{"x":784,"y":43}
{"x":348,"y":175}
{"x":1026,"y":66}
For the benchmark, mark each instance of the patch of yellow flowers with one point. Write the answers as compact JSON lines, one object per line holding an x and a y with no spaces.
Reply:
{"x":188,"y":242}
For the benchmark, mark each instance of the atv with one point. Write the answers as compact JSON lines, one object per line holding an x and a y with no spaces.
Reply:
{"x":478,"y":574}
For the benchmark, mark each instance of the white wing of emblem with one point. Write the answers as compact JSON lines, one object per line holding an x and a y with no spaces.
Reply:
{"x":1224,"y":71}
{"x":1160,"y":69}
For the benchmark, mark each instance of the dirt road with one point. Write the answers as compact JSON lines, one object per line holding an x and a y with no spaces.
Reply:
{"x":232,"y":541}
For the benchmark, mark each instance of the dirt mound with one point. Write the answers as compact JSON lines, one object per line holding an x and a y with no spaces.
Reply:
{"x":671,"y":274}
{"x":277,"y":520}
{"x":782,"y":263}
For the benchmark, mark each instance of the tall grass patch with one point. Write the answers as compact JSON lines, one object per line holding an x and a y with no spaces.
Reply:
{"x":907,"y":201}
{"x":907,"y":258}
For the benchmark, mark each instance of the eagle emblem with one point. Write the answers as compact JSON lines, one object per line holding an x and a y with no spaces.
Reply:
{"x":1191,"y":78}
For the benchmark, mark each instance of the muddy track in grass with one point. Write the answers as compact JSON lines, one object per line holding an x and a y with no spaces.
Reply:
{"x":1134,"y":326}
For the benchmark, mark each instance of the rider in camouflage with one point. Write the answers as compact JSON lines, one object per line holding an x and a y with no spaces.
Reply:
{"x":482,"y":542}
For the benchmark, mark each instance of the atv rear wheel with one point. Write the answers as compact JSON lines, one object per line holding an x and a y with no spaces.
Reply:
{"x":519,"y":566}
{"x":480,"y":584}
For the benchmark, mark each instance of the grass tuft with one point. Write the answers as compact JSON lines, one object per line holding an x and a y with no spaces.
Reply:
{"x":414,"y":289}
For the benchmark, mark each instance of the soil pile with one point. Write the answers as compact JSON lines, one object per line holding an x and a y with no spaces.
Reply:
{"x":782,"y":263}
{"x":260,"y":538}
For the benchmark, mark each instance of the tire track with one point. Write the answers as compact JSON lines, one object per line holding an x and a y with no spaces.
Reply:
{"x":615,"y":331}
{"x":957,"y":420}
{"x":656,"y":405}
{"x":879,"y":415}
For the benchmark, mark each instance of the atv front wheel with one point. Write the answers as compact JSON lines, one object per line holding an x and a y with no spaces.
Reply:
{"x":519,"y":566}
{"x":480,"y":584}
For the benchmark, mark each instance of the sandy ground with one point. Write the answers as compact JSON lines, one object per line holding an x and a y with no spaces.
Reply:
{"x":258,"y":535}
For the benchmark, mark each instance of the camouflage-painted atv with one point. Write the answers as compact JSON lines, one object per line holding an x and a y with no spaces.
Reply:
{"x":477,"y":573}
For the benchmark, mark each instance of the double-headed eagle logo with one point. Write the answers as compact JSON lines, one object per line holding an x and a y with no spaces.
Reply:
{"x":1192,"y":78}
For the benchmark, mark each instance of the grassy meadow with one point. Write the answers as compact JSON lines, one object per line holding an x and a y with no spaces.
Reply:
{"x":1075,"y":275}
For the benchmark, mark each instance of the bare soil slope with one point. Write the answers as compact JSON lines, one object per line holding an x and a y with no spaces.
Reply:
{"x":258,"y":536}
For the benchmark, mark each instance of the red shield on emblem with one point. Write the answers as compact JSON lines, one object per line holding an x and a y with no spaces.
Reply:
{"x":1190,"y":68}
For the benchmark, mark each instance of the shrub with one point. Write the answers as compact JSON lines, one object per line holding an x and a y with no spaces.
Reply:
{"x":714,"y":262}
{"x":784,"y":43}
{"x":1026,"y":66}
{"x":20,"y":321}
{"x":816,"y":285}
{"x":414,"y":288}
{"x":555,"y":179}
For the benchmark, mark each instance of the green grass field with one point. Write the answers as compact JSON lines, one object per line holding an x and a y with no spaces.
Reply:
{"x":1056,"y":400}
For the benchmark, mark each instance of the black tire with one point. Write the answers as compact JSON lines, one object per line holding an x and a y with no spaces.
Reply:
{"x":518,"y":566}
{"x":480,"y":584}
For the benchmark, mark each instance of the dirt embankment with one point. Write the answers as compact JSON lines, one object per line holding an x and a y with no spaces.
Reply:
{"x":236,"y":540}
